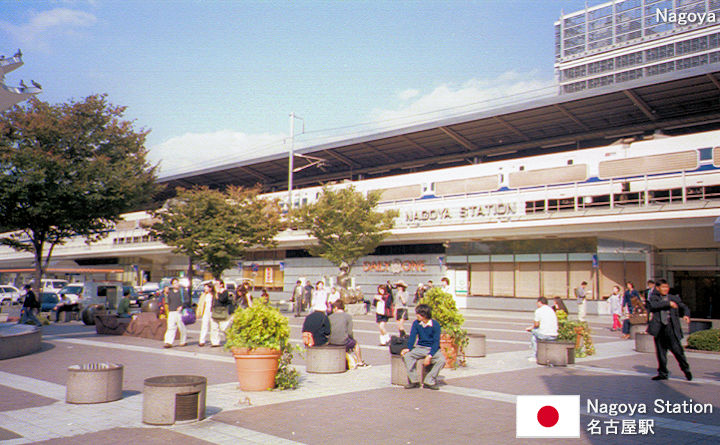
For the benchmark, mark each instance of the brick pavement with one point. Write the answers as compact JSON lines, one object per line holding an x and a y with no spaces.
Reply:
{"x":475,"y":404}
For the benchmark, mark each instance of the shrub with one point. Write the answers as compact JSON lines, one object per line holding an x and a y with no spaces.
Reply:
{"x":707,"y":340}
{"x":568,"y":331}
{"x":446,"y":312}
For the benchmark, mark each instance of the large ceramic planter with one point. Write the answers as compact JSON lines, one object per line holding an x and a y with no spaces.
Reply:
{"x":256,"y":368}
{"x":449,"y":348}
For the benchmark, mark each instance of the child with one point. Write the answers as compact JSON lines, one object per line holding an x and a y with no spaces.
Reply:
{"x":615,"y":308}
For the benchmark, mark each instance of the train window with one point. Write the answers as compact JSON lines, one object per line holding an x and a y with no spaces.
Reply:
{"x":570,"y":162}
{"x":705,"y":153}
{"x":522,"y":168}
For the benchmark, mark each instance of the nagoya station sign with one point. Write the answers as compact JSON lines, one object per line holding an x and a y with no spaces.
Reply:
{"x":470,"y":211}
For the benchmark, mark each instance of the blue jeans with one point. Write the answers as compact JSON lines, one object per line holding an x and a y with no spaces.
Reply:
{"x":537,"y":336}
{"x":28,"y":314}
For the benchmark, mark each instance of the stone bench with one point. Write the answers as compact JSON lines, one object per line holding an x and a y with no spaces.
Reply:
{"x":475,"y":346}
{"x":325,"y":359}
{"x":555,"y":352}
{"x":19,"y":339}
{"x":173,"y":398}
{"x":94,"y":383}
{"x":644,"y":342}
{"x":398,"y":370}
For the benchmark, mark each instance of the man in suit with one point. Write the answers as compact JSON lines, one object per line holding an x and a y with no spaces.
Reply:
{"x":666,"y":310}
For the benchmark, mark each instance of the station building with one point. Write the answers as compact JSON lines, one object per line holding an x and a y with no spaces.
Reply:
{"x":604,"y":185}
{"x":622,"y":40}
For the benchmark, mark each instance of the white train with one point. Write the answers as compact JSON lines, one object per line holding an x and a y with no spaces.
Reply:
{"x":658,"y":169}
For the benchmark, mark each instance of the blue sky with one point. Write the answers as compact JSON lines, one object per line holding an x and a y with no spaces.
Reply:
{"x":216,"y":80}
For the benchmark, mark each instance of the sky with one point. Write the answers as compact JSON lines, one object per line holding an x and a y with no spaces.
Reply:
{"x":216,"y":81}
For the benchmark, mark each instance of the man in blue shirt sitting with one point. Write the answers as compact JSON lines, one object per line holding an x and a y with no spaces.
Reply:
{"x":427,"y":332}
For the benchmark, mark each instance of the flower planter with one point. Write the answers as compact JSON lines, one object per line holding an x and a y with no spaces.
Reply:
{"x":256,"y":368}
{"x":449,"y":349}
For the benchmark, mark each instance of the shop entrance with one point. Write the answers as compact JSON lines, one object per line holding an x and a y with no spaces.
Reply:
{"x":699,"y":290}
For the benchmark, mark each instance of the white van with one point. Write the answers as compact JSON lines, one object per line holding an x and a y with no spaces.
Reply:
{"x":94,"y":297}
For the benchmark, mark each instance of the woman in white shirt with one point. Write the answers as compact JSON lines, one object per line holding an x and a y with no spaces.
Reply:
{"x":383,"y":312}
{"x":319,"y":297}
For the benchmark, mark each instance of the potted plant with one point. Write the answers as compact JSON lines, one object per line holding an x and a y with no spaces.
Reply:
{"x":453,"y":338}
{"x":577,"y":332}
{"x":258,"y":337}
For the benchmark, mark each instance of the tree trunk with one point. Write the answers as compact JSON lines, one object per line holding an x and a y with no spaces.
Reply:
{"x":37,"y":284}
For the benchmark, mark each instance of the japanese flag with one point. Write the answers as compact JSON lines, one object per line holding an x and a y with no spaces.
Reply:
{"x":547,"y":416}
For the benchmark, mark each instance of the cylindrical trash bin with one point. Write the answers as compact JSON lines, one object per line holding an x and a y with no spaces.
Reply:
{"x":173,"y":398}
{"x":94,"y":383}
{"x":475,"y":346}
{"x":644,"y":342}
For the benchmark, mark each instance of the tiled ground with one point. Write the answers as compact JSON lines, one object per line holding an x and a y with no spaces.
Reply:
{"x":475,"y":404}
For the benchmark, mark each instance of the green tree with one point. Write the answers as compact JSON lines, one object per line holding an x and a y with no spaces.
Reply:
{"x":345,"y":223}
{"x":68,"y":170}
{"x":216,"y":228}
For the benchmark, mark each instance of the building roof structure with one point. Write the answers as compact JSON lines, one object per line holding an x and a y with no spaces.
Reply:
{"x":673,"y":103}
{"x":10,"y":96}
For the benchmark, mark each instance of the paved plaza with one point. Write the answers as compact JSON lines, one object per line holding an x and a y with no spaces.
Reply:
{"x":475,"y":404}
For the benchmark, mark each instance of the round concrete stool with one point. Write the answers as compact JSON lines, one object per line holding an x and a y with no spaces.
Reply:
{"x":644,"y":342}
{"x":173,"y":398}
{"x":94,"y":383}
{"x":635,"y":328}
{"x":325,"y":359}
{"x":475,"y":346}
{"x":18,"y":339}
{"x":555,"y":352}
{"x":398,"y":370}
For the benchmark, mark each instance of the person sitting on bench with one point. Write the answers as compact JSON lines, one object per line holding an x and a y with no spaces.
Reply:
{"x":427,"y":333}
{"x":341,"y":332}
{"x":316,"y":329}
{"x":545,"y":326}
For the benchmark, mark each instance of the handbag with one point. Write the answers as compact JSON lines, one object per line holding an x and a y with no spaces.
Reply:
{"x":380,"y":308}
{"x":220,"y":313}
{"x":397,"y":344}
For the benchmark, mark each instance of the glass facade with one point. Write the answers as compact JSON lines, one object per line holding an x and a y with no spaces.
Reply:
{"x":611,"y":30}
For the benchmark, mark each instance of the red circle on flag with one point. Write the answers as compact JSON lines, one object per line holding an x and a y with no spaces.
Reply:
{"x":548,"y":416}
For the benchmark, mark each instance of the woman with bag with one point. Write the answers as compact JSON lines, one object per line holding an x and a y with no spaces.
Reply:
{"x":204,"y":311}
{"x":221,"y":317}
{"x":382,"y":306}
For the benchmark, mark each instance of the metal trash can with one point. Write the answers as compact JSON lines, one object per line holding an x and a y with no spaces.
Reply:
{"x":174,"y":398}
{"x":94,"y":383}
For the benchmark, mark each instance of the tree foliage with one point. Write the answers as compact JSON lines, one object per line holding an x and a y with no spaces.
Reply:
{"x":345,"y":224}
{"x":217,"y":228}
{"x":68,"y":170}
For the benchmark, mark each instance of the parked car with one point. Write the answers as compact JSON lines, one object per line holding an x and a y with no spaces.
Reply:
{"x":52,"y":285}
{"x":149,"y":290}
{"x":9,"y":294}
{"x":48,"y":301}
{"x":74,"y":291}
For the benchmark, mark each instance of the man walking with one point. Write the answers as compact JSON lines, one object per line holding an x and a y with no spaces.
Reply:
{"x":545,"y":326}
{"x":174,"y":300}
{"x":666,"y":310}
{"x":297,"y":297}
{"x":30,"y":307}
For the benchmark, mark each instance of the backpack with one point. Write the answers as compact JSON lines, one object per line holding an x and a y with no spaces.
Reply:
{"x":397,"y":344}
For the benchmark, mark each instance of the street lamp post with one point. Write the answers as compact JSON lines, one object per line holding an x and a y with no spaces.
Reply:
{"x":292,"y":156}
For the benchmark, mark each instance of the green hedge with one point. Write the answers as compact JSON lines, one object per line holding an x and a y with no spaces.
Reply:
{"x":707,"y":340}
